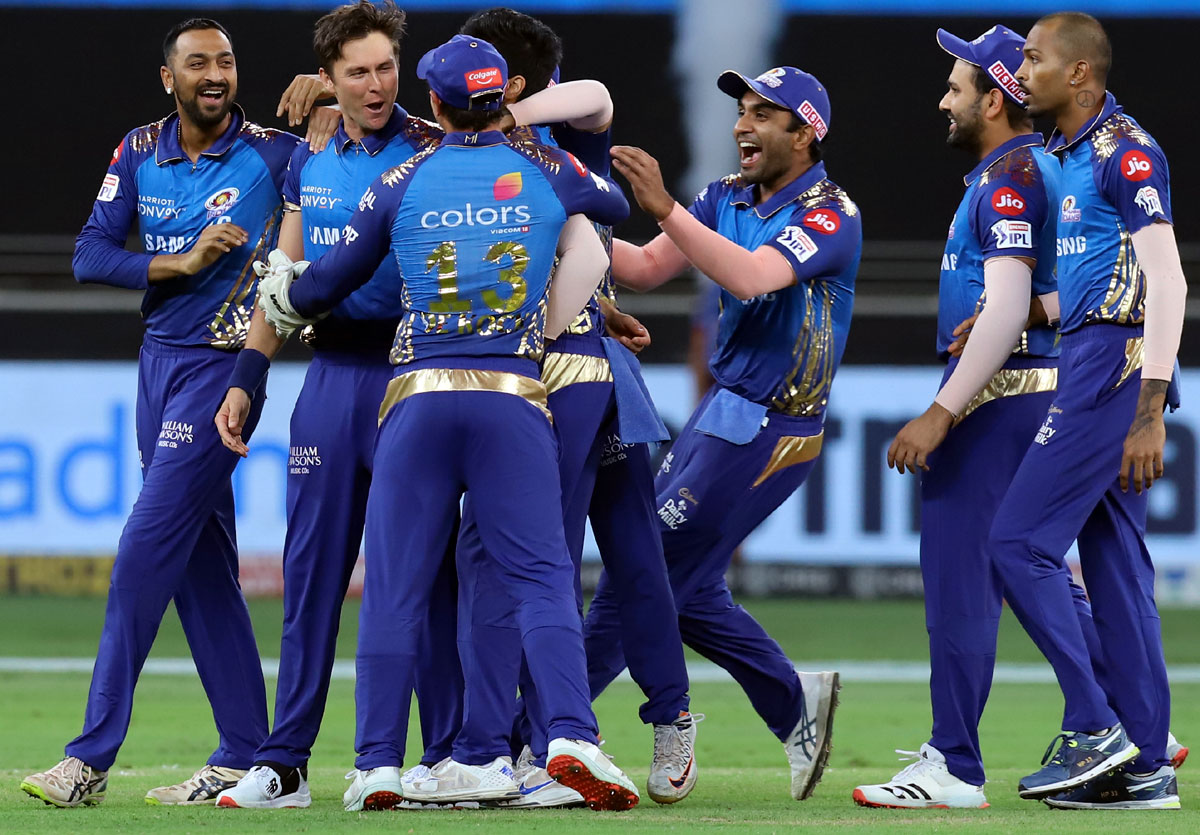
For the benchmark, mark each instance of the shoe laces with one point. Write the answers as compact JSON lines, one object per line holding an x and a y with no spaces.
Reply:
{"x":673,"y":744}
{"x":69,"y":772}
{"x":917,"y":768}
{"x":418,"y":772}
{"x":1059,"y":755}
{"x":263,"y":775}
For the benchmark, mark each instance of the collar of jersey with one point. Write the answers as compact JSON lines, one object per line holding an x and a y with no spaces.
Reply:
{"x":1025,"y":140}
{"x":1058,"y":143}
{"x":375,"y":142}
{"x":169,"y":149}
{"x":789,"y":193}
{"x":474,"y":140}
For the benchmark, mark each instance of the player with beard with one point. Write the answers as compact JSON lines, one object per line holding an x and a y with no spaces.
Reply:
{"x":1122,"y":293}
{"x":204,"y":184}
{"x":784,"y":243}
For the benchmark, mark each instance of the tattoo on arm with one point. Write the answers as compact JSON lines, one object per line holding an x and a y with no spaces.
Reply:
{"x":1149,"y":407}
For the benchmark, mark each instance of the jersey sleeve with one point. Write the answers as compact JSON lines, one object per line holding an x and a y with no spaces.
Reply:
{"x":585,"y":192}
{"x":704,"y":207}
{"x":1135,"y":180}
{"x":351,"y":262}
{"x":291,"y":178}
{"x":100,"y":255}
{"x":1007,"y":217}
{"x":276,"y":148}
{"x":818,"y":242}
{"x":591,"y":148}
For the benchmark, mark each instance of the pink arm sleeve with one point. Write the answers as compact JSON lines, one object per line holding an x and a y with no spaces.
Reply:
{"x":743,"y":273}
{"x":643,"y":268}
{"x":585,"y":105}
{"x":1166,"y":296}
{"x":1050,"y":305}
{"x":1007,"y":282}
{"x":581,"y":264}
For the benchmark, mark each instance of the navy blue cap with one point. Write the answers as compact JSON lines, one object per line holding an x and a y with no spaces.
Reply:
{"x":997,"y":52}
{"x":466,"y":72}
{"x":788,"y":87}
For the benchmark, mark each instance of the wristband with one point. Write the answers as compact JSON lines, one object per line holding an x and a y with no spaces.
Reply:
{"x":249,"y":371}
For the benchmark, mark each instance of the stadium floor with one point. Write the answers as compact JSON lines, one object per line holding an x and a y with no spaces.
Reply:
{"x":743,"y":774}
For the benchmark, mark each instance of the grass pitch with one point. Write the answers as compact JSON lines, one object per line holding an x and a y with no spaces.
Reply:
{"x":743,"y":782}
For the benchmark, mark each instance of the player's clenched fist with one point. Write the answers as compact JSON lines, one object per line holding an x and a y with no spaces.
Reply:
{"x":214,"y":241}
{"x":645,"y":178}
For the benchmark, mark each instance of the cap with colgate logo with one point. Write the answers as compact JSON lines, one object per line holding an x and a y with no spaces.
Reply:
{"x":997,"y":52}
{"x":787,"y":87}
{"x":465,"y":72}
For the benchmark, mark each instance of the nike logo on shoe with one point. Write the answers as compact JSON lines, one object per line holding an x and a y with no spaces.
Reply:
{"x":531,"y":789}
{"x":682,"y":777}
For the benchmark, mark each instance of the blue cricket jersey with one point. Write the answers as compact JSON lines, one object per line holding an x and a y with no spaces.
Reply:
{"x":782,"y":349}
{"x":325,"y":188}
{"x":237,"y":180}
{"x":1115,"y":181}
{"x":473,"y":225}
{"x":1010,"y":208}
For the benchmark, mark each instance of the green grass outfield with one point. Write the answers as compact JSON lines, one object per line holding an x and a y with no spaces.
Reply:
{"x":743,"y":781}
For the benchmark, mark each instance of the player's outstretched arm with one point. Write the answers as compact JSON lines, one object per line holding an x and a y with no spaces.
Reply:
{"x":643,"y":268}
{"x":300,"y":96}
{"x":582,"y":261}
{"x":584,"y":105}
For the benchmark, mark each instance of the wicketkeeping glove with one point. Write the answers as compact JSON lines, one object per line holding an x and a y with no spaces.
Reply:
{"x":274,"y":281}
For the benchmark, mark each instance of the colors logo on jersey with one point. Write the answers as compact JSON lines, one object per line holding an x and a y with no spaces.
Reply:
{"x":797,"y":241}
{"x":1013,"y":234}
{"x":580,"y":168}
{"x":1147,"y":198}
{"x":809,"y":114}
{"x":1006,"y":81}
{"x":823,"y":221}
{"x":1070,"y":214}
{"x":484,"y":79}
{"x":221,"y":201}
{"x":1008,"y":202}
{"x":1136,"y":166}
{"x":507,"y":186}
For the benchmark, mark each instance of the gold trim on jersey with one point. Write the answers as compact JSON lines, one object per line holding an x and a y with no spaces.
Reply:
{"x":813,"y":353}
{"x":790,"y":450}
{"x":426,"y":380}
{"x":230,"y":333}
{"x":1010,"y":382}
{"x":1135,"y":355}
{"x":561,"y":370}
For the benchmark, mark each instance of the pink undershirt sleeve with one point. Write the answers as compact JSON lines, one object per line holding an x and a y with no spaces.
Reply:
{"x":584,"y":105}
{"x":581,"y":264}
{"x":1166,"y":297}
{"x":643,"y":268}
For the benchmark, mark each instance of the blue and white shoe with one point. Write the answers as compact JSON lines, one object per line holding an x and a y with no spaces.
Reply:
{"x":1080,"y":757}
{"x":1122,"y":790}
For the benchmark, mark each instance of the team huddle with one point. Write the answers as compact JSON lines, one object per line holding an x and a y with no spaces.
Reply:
{"x":474,"y":399}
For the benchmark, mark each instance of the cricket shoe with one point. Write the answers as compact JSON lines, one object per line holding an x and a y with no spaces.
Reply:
{"x":807,"y":746}
{"x":1122,"y":790}
{"x":373,"y":789}
{"x":1176,"y":752}
{"x":582,"y":766}
{"x":201,"y":789}
{"x":673,"y":768}
{"x":452,"y":782}
{"x":924,"y":784}
{"x":540,"y":791}
{"x":70,"y":783}
{"x":1080,"y":757}
{"x":420,"y":771}
{"x":273,"y":786}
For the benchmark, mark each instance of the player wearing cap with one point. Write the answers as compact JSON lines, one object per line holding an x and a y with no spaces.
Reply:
{"x":334,"y":419}
{"x":999,"y":258}
{"x":1122,"y":291}
{"x":473,"y":225}
{"x":784,"y":243}
{"x":204,"y":184}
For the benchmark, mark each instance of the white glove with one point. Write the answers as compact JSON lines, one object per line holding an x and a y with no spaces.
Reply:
{"x":274,"y":281}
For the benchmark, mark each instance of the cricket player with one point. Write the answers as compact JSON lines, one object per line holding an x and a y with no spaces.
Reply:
{"x":998,"y":261}
{"x":784,"y":242}
{"x":334,"y":421}
{"x":472,"y":224}
{"x":1122,"y":292}
{"x":204,"y":185}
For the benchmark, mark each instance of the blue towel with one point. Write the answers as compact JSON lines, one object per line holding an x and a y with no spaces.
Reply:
{"x":636,"y":416}
{"x":732,"y":418}
{"x":1174,"y":388}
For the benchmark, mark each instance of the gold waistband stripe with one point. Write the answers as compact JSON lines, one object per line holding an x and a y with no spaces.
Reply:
{"x":1010,"y":382}
{"x":426,"y":380}
{"x":562,"y":370}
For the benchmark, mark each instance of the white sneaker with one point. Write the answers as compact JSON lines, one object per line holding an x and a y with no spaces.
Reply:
{"x":1176,"y":752}
{"x":540,"y":791}
{"x":582,"y":766}
{"x":417,"y":772}
{"x":807,"y":746}
{"x":451,"y":782}
{"x":265,"y":788}
{"x":373,"y":789}
{"x":524,"y":764}
{"x":924,"y":784}
{"x":673,"y":768}
{"x":201,"y":789}
{"x":70,"y":783}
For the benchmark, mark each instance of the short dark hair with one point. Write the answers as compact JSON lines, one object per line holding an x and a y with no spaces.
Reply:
{"x":815,"y":152}
{"x":1084,"y":39}
{"x":530,"y":47}
{"x":354,"y":21}
{"x":471,"y":121}
{"x":190,"y":25}
{"x":1017,"y":116}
